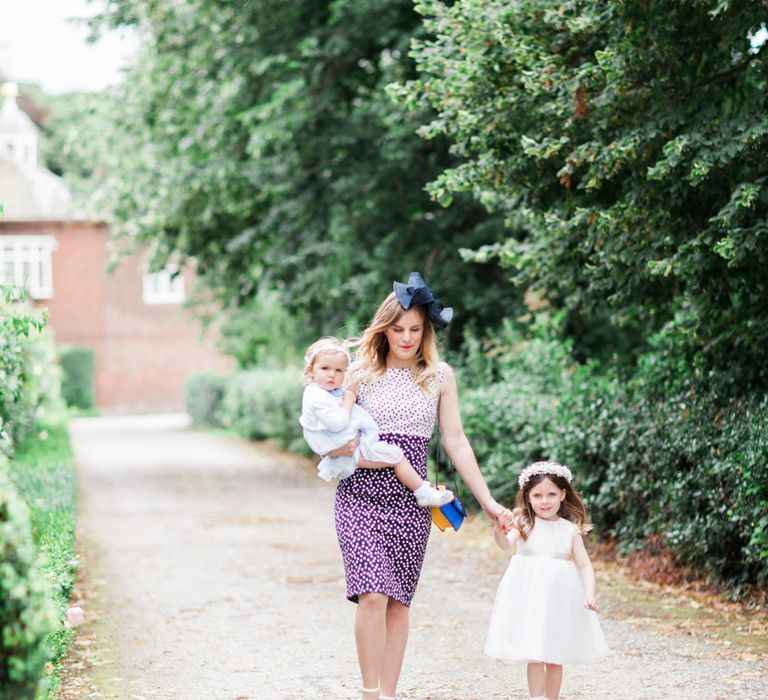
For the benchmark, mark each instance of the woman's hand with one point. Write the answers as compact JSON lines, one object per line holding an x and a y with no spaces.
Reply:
{"x":591,"y":604}
{"x":346,"y":450}
{"x":496,"y":512}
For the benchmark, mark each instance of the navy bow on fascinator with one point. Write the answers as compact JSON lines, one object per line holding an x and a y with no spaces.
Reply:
{"x":416,"y":293}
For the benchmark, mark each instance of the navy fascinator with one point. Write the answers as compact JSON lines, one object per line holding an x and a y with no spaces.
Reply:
{"x":416,"y":293}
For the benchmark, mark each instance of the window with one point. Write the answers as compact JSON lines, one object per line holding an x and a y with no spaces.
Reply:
{"x":25,"y":262}
{"x":164,"y":287}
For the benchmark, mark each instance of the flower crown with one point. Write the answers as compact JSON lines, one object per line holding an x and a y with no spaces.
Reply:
{"x":543,"y":468}
{"x":323,"y":348}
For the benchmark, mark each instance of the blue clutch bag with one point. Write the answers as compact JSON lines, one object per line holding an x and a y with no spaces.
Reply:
{"x":451,"y":514}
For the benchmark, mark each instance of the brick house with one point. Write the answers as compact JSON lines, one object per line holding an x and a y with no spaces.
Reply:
{"x":145,"y":343}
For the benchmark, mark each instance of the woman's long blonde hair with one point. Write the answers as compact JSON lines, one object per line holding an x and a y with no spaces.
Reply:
{"x":372,"y":349}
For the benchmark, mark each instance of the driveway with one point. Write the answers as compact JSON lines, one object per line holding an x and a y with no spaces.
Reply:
{"x":212,"y":572}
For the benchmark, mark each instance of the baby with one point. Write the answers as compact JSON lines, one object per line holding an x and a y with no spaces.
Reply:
{"x":331,"y":418}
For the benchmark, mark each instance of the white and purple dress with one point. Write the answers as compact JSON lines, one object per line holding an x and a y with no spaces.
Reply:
{"x":382,"y":531}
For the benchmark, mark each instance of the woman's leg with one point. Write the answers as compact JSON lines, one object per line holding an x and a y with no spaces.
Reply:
{"x":397,"y":638}
{"x":371,"y":638}
{"x":554,"y":681}
{"x":537,"y":677}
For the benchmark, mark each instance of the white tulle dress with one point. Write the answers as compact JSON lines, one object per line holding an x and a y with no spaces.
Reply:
{"x":539,"y":613}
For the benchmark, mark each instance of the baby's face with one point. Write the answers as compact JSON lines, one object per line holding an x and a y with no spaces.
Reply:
{"x":328,"y":370}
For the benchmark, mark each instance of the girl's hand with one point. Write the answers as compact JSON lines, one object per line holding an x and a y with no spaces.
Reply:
{"x":507,"y":520}
{"x":591,"y":604}
{"x":346,"y":450}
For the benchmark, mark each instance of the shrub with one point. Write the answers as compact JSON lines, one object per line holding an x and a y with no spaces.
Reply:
{"x":77,"y":365}
{"x":203,"y":393}
{"x":43,"y":472}
{"x":27,"y":613}
{"x":19,"y":336}
{"x":263,"y":404}
{"x":661,"y":462}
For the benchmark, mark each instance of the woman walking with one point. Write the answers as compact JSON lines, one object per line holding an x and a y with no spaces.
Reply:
{"x":400,"y":380}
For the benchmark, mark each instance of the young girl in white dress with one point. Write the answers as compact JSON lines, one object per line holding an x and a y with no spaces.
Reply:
{"x":331,"y":418}
{"x":545,"y":613}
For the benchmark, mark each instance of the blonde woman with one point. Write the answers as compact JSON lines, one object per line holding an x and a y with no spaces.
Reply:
{"x":399,"y":379}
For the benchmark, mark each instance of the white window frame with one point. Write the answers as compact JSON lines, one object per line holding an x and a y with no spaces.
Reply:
{"x":162,"y":287}
{"x":31,"y":263}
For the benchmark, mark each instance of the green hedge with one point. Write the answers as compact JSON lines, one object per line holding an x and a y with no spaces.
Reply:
{"x":44,"y":474}
{"x":203,"y":393}
{"x":27,"y":614}
{"x":659,"y":463}
{"x":263,"y":404}
{"x":77,"y":386}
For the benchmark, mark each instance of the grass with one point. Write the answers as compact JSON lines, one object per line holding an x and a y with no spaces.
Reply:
{"x":43,"y":471}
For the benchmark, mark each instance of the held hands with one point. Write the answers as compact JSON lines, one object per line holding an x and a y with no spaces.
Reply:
{"x":495,"y":512}
{"x":506,"y":520}
{"x":591,"y":604}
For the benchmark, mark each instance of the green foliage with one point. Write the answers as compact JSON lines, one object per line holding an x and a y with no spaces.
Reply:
{"x":203,"y":393}
{"x":626,"y":144}
{"x":43,"y":472}
{"x":264,"y":404}
{"x":27,"y":613}
{"x":273,"y":156}
{"x":261,"y":333}
{"x":77,"y":365}
{"x":19,"y":329}
{"x":658,"y":459}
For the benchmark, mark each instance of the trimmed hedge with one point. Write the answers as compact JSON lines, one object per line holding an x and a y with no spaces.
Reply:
{"x":43,"y":472}
{"x":263,"y":404}
{"x":203,"y":393}
{"x":27,"y":613}
{"x":77,"y":386}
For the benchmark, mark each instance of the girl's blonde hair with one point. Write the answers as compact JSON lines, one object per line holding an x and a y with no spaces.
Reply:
{"x":328,"y":344}
{"x":572,"y":508}
{"x":372,"y":349}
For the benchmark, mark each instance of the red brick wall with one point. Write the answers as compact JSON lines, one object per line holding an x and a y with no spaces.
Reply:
{"x":142,"y":352}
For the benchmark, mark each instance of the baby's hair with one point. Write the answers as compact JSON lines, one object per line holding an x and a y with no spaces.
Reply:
{"x":328,"y":344}
{"x":572,"y":508}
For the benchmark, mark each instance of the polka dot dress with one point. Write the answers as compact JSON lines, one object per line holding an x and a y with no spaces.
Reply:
{"x":382,"y":531}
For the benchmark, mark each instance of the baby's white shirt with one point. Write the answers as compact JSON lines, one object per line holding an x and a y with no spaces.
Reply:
{"x":321,"y":409}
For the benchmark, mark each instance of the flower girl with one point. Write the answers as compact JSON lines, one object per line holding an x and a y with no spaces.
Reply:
{"x":545,"y":609}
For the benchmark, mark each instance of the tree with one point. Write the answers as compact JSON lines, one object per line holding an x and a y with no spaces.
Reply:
{"x":258,"y":139}
{"x":625,"y":142}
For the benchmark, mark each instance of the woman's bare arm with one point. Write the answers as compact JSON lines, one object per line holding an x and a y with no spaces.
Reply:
{"x":459,"y":450}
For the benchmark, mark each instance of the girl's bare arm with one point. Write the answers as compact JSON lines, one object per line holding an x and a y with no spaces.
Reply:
{"x":581,"y":558}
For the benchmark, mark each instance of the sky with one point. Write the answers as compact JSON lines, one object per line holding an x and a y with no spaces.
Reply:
{"x":39,"y":45}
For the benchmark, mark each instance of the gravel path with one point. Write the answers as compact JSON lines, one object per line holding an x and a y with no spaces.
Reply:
{"x":212,"y":573}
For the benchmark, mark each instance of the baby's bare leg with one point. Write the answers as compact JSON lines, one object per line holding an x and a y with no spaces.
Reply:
{"x":407,"y":475}
{"x":404,"y":471}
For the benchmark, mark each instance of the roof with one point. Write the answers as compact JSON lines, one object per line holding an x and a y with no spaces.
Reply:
{"x":31,"y":194}
{"x":27,"y":191}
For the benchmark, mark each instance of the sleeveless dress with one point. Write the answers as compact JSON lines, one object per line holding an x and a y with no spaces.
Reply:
{"x":382,"y":531}
{"x":539,"y":612}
